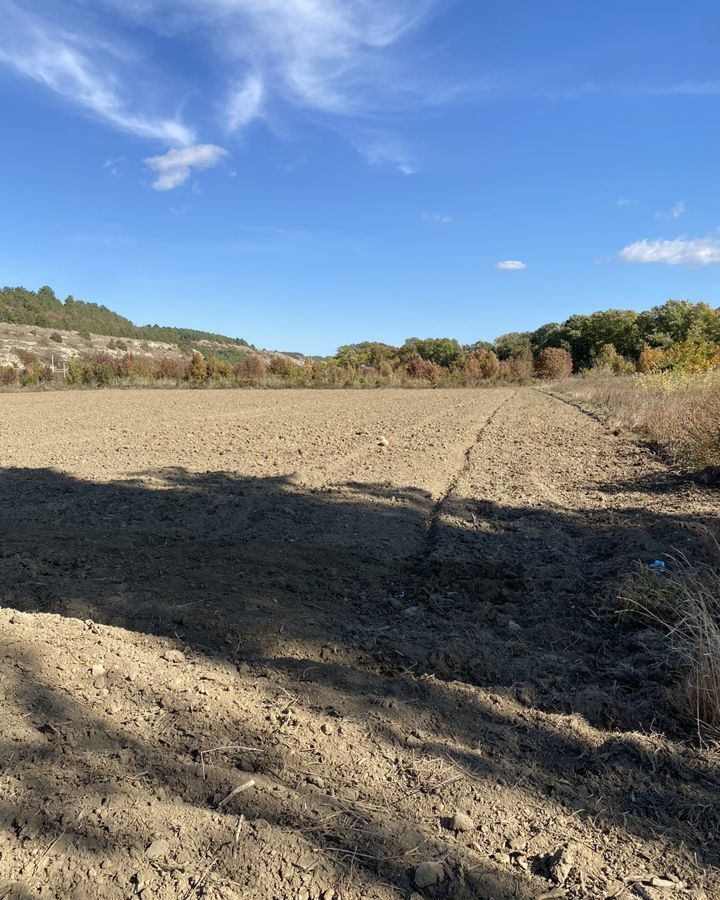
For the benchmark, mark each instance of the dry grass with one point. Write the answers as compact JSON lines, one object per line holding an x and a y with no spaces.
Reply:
{"x":679,"y":414}
{"x":685,"y":601}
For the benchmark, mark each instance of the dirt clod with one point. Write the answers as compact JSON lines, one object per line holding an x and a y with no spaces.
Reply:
{"x":560,"y":864}
{"x":158,"y":849}
{"x":461,"y":822}
{"x":429,"y":874}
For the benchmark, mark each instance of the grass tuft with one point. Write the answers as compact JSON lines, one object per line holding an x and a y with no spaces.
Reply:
{"x":686,"y":603}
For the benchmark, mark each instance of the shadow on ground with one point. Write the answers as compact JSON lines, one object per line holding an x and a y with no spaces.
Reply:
{"x":384,"y":665}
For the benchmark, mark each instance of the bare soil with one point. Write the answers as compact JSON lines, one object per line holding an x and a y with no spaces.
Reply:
{"x":342,"y":645}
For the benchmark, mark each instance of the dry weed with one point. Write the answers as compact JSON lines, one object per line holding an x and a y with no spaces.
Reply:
{"x":679,"y":414}
{"x":685,"y":601}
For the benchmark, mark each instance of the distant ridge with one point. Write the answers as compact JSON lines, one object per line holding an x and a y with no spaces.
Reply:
{"x":42,"y":308}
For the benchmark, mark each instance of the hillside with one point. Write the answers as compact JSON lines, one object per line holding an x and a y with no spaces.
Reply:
{"x":38,"y":324}
{"x":22,"y":307}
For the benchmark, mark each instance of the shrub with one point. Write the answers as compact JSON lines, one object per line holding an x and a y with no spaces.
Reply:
{"x":56,"y":337}
{"x":281,"y":366}
{"x":27,"y":357}
{"x":521,"y":365}
{"x":9,"y":375}
{"x":553,"y":363}
{"x":422,"y":369}
{"x":171,"y":368}
{"x":85,"y":336}
{"x":218,"y":368}
{"x":650,"y":360}
{"x":197,"y":368}
{"x":694,"y":357}
{"x":99,"y":369}
{"x":75,"y":370}
{"x":251,"y":370}
{"x":482,"y":365}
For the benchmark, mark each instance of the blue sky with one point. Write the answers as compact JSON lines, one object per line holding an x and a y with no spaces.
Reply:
{"x":307,"y":173}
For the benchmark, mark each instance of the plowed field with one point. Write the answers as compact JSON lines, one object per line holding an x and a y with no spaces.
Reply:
{"x":339,"y":645}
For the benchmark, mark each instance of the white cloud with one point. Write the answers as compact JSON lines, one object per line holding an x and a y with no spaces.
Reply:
{"x":176,"y":166}
{"x":79,"y":68}
{"x":511,"y":265}
{"x":623,"y":201}
{"x":245,"y":103}
{"x":678,"y":252}
{"x":438,"y":218}
{"x":379,"y":150}
{"x":677,"y":212}
{"x":339,"y":62}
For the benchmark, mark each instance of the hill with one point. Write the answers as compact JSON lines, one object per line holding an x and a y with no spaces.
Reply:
{"x":42,"y":308}
{"x":40,"y":324}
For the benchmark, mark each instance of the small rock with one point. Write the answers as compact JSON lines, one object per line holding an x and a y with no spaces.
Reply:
{"x":461,"y":822}
{"x":174,"y":656}
{"x":429,"y":874}
{"x":664,"y":884}
{"x":411,"y":612}
{"x":560,"y":864}
{"x":98,"y":670}
{"x":326,"y":728}
{"x":158,"y":849}
{"x":513,"y":627}
{"x":383,"y":441}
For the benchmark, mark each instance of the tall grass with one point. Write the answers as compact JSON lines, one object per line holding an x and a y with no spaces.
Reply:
{"x":686,"y":603}
{"x":679,"y":414}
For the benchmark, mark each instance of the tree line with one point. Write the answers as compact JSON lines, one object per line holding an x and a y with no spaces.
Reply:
{"x":678,"y":335}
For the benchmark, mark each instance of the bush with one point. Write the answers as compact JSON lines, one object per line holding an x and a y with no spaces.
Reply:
{"x":553,"y":363}
{"x":482,"y":365}
{"x":521,"y":365}
{"x":217,"y":368}
{"x":422,"y":369}
{"x":693,"y":357}
{"x":281,"y":366}
{"x":197,"y":368}
{"x":9,"y":375}
{"x":609,"y":360}
{"x":171,"y":368}
{"x":650,"y":360}
{"x":251,"y":370}
{"x":56,"y":337}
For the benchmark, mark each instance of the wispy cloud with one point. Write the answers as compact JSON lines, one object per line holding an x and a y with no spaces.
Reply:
{"x":385,"y":152}
{"x":340,"y":62}
{"x":623,"y":201}
{"x":511,"y":265}
{"x":81,"y":69}
{"x":114,"y":166}
{"x":681,"y":251}
{"x":244,"y":103}
{"x":677,"y":212}
{"x":176,"y":166}
{"x":437,"y":218}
